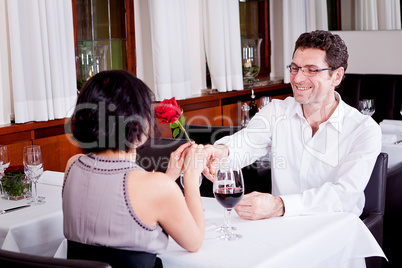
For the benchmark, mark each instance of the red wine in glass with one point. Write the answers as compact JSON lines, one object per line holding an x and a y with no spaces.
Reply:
{"x":228,"y":197}
{"x":228,"y":188}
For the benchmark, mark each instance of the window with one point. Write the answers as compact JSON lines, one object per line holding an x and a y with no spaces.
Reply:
{"x":104,"y":36}
{"x":254,"y":23}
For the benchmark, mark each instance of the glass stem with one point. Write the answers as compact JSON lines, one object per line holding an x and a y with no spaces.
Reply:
{"x":1,"y":185}
{"x":228,"y":222}
{"x":34,"y":194}
{"x":225,"y":218}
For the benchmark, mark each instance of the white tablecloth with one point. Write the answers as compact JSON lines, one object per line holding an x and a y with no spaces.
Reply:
{"x":35,"y":230}
{"x":392,"y":131}
{"x":329,"y":240}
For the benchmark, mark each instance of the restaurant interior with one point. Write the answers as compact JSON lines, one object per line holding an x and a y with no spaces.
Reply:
{"x":220,"y":60}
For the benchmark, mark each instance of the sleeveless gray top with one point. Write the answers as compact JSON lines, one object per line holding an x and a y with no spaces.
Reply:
{"x":97,"y":209}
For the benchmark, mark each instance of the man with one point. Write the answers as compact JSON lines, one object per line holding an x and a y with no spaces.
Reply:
{"x":322,"y":150}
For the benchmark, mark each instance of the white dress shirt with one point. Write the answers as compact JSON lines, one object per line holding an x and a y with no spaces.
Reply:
{"x":327,"y":172}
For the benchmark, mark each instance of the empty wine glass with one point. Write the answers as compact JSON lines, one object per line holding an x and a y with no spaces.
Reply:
{"x":33,"y":167}
{"x":245,"y":115}
{"x":264,"y":101}
{"x":367,"y":106}
{"x":4,"y":163}
{"x":228,"y":187}
{"x":182,"y":183}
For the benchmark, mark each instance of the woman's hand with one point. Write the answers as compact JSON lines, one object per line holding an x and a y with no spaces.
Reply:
{"x":176,"y":161}
{"x":195,"y":161}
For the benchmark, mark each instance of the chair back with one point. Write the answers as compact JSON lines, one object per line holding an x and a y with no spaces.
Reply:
{"x":21,"y":260}
{"x":118,"y":258}
{"x":373,"y":212}
{"x":376,"y":187}
{"x":155,"y":154}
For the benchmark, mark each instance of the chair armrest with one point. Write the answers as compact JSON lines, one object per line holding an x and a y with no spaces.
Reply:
{"x":395,"y":170}
{"x":372,"y":219}
{"x":393,"y":198}
{"x":375,"y":223}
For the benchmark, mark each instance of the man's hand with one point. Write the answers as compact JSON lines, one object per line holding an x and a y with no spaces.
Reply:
{"x":257,"y":206}
{"x":217,"y":154}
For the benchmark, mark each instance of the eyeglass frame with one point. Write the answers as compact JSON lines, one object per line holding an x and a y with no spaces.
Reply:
{"x":289,"y":67}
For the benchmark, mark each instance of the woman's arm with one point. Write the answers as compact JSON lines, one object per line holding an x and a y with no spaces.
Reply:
{"x":158,"y":199}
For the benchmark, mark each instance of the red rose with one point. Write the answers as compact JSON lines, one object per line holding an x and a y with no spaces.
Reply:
{"x":15,"y":169}
{"x":168,"y":111}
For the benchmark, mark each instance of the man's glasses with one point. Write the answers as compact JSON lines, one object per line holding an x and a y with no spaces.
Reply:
{"x":307,"y":71}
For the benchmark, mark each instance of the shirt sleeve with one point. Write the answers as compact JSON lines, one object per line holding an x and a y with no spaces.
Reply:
{"x":249,"y":144}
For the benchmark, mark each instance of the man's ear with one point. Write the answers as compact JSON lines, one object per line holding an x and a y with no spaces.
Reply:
{"x":338,"y":76}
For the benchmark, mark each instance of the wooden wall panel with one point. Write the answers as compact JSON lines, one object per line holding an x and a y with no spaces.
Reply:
{"x":15,"y":151}
{"x":232,"y":114}
{"x":205,"y":117}
{"x":56,"y":151}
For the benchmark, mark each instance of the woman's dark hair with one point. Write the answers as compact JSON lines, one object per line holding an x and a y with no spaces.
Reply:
{"x":113,"y":111}
{"x":335,"y":48}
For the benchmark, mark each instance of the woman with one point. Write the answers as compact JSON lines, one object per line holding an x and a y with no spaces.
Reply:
{"x":111,"y":202}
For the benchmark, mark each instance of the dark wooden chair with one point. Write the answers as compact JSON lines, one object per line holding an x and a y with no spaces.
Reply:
{"x":374,"y":209}
{"x":21,"y":260}
{"x":393,"y":218}
{"x":117,"y":258}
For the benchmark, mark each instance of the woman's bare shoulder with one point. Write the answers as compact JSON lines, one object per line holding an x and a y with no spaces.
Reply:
{"x":72,"y":159}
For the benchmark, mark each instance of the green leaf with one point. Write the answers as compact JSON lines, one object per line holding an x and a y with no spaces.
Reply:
{"x":176,"y":132}
{"x":174,"y":125}
{"x":182,"y":119}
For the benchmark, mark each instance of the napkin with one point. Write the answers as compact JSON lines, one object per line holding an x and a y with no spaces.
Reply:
{"x":52,"y":178}
{"x":389,"y":138}
{"x":391,"y":126}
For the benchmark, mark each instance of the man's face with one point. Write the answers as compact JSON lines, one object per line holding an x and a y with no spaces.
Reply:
{"x":317,"y":89}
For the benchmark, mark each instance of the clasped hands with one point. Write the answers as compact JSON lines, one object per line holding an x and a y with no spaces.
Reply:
{"x":193,"y":158}
{"x":188,"y":158}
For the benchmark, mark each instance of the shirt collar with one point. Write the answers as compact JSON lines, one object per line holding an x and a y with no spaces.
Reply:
{"x":336,"y":118}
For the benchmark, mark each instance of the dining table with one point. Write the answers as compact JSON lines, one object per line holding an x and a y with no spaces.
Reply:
{"x":36,"y":229}
{"x":392,"y":141}
{"x":325,"y":240}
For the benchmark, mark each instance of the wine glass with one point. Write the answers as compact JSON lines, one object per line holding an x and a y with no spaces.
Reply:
{"x":228,"y":187}
{"x":264,"y":101}
{"x":4,"y":163}
{"x":182,"y":183}
{"x":33,"y":167}
{"x":367,"y":106}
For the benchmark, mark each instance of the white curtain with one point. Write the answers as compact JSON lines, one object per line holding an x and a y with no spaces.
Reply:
{"x":169,"y":54}
{"x":377,"y":15}
{"x":300,"y":16}
{"x":222,"y":44}
{"x":40,"y":58}
{"x":171,"y":49}
{"x":366,"y":15}
{"x":389,"y":14}
{"x":5,"y":98}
